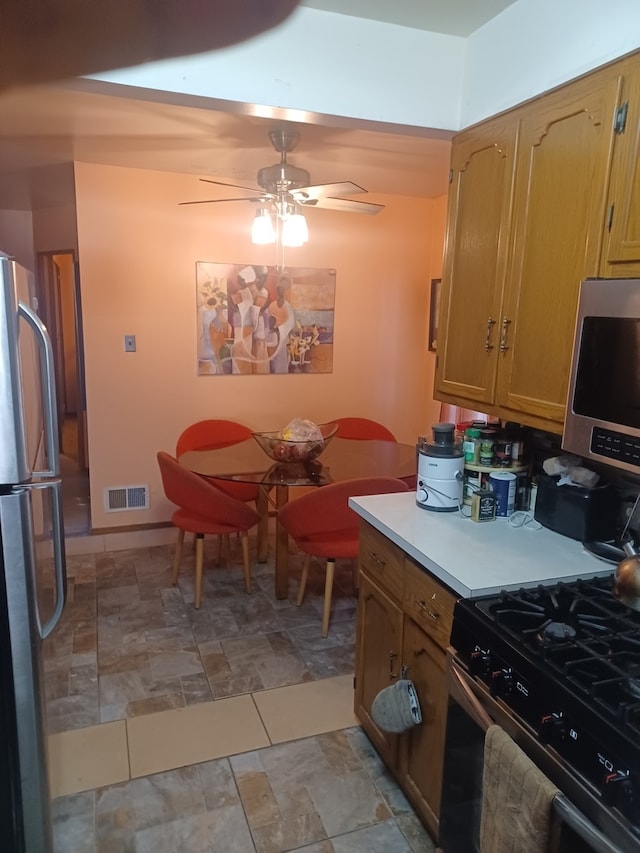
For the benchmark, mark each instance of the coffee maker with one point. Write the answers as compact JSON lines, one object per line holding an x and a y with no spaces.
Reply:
{"x":440,"y":470}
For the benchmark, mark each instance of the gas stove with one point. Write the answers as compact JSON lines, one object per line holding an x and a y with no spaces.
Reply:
{"x":565,"y":660}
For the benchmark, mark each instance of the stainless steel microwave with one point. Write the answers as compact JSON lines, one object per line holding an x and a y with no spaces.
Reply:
{"x":603,"y":404}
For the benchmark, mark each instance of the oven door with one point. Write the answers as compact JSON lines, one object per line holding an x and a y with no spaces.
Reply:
{"x":471,"y":711}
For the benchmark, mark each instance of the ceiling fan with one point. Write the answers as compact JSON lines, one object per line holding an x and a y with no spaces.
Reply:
{"x":285,"y":186}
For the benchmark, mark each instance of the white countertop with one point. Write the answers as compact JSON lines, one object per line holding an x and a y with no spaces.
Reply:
{"x":477,"y":558}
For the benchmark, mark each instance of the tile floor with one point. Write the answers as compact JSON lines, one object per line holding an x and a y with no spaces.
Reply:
{"x":225,"y":729}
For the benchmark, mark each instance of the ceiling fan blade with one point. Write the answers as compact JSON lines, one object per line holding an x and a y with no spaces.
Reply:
{"x":218,"y":200}
{"x":344,"y":204}
{"x":223,"y":184}
{"x":323,"y":190}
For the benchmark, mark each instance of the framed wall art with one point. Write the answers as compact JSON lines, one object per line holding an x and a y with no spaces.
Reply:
{"x":255,"y":319}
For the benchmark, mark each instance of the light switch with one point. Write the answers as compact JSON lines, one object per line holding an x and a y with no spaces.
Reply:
{"x":129,"y":343}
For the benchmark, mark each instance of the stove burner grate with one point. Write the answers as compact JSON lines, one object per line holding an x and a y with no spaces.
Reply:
{"x":565,"y":660}
{"x":549,"y":616}
{"x":582,"y":635}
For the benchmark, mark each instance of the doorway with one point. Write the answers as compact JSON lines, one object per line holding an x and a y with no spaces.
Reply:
{"x":58,"y":291}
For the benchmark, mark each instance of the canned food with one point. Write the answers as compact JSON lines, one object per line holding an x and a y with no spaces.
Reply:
{"x":503,"y":485}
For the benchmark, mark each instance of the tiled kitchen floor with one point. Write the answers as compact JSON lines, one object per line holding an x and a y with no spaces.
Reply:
{"x":225,"y":729}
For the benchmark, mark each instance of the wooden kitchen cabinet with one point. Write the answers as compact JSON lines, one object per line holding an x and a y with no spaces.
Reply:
{"x":559,"y":207}
{"x":621,"y":254}
{"x":541,"y":235}
{"x":403,"y":627}
{"x":478,"y":226}
{"x":378,"y":651}
{"x":421,"y":749}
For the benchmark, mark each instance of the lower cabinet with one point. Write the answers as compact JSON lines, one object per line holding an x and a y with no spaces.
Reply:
{"x":378,"y":652}
{"x":403,"y":627}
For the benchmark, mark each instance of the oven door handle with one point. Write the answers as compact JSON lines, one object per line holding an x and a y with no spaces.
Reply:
{"x":464,"y":696}
{"x":569,"y":814}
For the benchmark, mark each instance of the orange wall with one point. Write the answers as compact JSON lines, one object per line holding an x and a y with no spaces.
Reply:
{"x":137,"y":253}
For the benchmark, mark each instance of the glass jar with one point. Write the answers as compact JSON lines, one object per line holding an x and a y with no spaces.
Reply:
{"x":487,"y":446}
{"x":515,"y":435}
{"x":471,"y":445}
{"x":503,"y":452}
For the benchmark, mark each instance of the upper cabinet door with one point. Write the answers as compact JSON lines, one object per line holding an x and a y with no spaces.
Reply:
{"x":479,"y":213}
{"x":621,"y":256}
{"x":562,"y":172}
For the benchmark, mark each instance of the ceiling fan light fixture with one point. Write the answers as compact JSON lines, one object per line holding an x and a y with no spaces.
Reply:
{"x":294,"y":230}
{"x":262,"y":230}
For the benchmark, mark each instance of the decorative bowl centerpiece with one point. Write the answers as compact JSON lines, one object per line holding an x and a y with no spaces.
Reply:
{"x":299,"y":441}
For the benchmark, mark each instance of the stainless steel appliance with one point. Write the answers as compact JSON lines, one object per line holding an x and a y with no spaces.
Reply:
{"x":32,"y":566}
{"x":602,"y":420}
{"x":558,"y":667}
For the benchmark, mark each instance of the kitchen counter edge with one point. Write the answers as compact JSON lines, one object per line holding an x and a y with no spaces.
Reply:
{"x":490,"y":556}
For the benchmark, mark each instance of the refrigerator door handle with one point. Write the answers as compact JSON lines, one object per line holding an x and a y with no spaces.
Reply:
{"x":50,"y":407}
{"x":57,"y":532}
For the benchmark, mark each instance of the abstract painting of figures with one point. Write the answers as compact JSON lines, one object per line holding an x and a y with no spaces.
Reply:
{"x":261,"y":319}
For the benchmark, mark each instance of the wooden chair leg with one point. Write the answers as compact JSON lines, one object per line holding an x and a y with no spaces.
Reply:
{"x":303,"y":579}
{"x":177,"y":557}
{"x":262,"y":506}
{"x":328,"y":589}
{"x":199,"y":562}
{"x":220,"y":544}
{"x":245,"y":559}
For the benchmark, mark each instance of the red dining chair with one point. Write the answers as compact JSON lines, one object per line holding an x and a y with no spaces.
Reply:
{"x":362,"y":428}
{"x":322,"y":524}
{"x":211,"y":434}
{"x":203,"y":509}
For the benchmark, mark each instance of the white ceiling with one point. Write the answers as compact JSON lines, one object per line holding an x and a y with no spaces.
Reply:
{"x":451,"y":17}
{"x":44,"y":128}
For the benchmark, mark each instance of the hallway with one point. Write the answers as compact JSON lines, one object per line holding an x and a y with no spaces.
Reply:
{"x":75,"y":483}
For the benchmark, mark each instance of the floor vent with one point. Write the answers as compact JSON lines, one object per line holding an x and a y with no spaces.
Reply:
{"x":120,"y":498}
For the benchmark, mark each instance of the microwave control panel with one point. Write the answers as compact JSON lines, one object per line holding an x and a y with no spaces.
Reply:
{"x":615,"y":445}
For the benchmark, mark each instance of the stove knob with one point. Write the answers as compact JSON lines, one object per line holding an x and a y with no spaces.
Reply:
{"x":617,"y":789}
{"x":479,"y":662}
{"x":507,"y":683}
{"x":552,"y":728}
{"x":501,"y":682}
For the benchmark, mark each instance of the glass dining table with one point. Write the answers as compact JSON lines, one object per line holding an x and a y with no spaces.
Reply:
{"x":342,"y":459}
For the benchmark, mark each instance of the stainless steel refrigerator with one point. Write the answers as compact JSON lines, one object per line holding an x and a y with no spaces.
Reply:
{"x":32,"y":564}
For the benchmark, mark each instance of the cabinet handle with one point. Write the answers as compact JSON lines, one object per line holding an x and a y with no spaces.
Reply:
{"x":503,"y":337}
{"x":490,"y":324}
{"x":610,"y":218}
{"x":392,"y":674}
{"x":377,"y":559}
{"x":423,"y":606}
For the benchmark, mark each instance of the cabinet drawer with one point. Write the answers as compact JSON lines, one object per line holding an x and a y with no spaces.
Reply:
{"x":382,"y":560}
{"x":428,"y":603}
